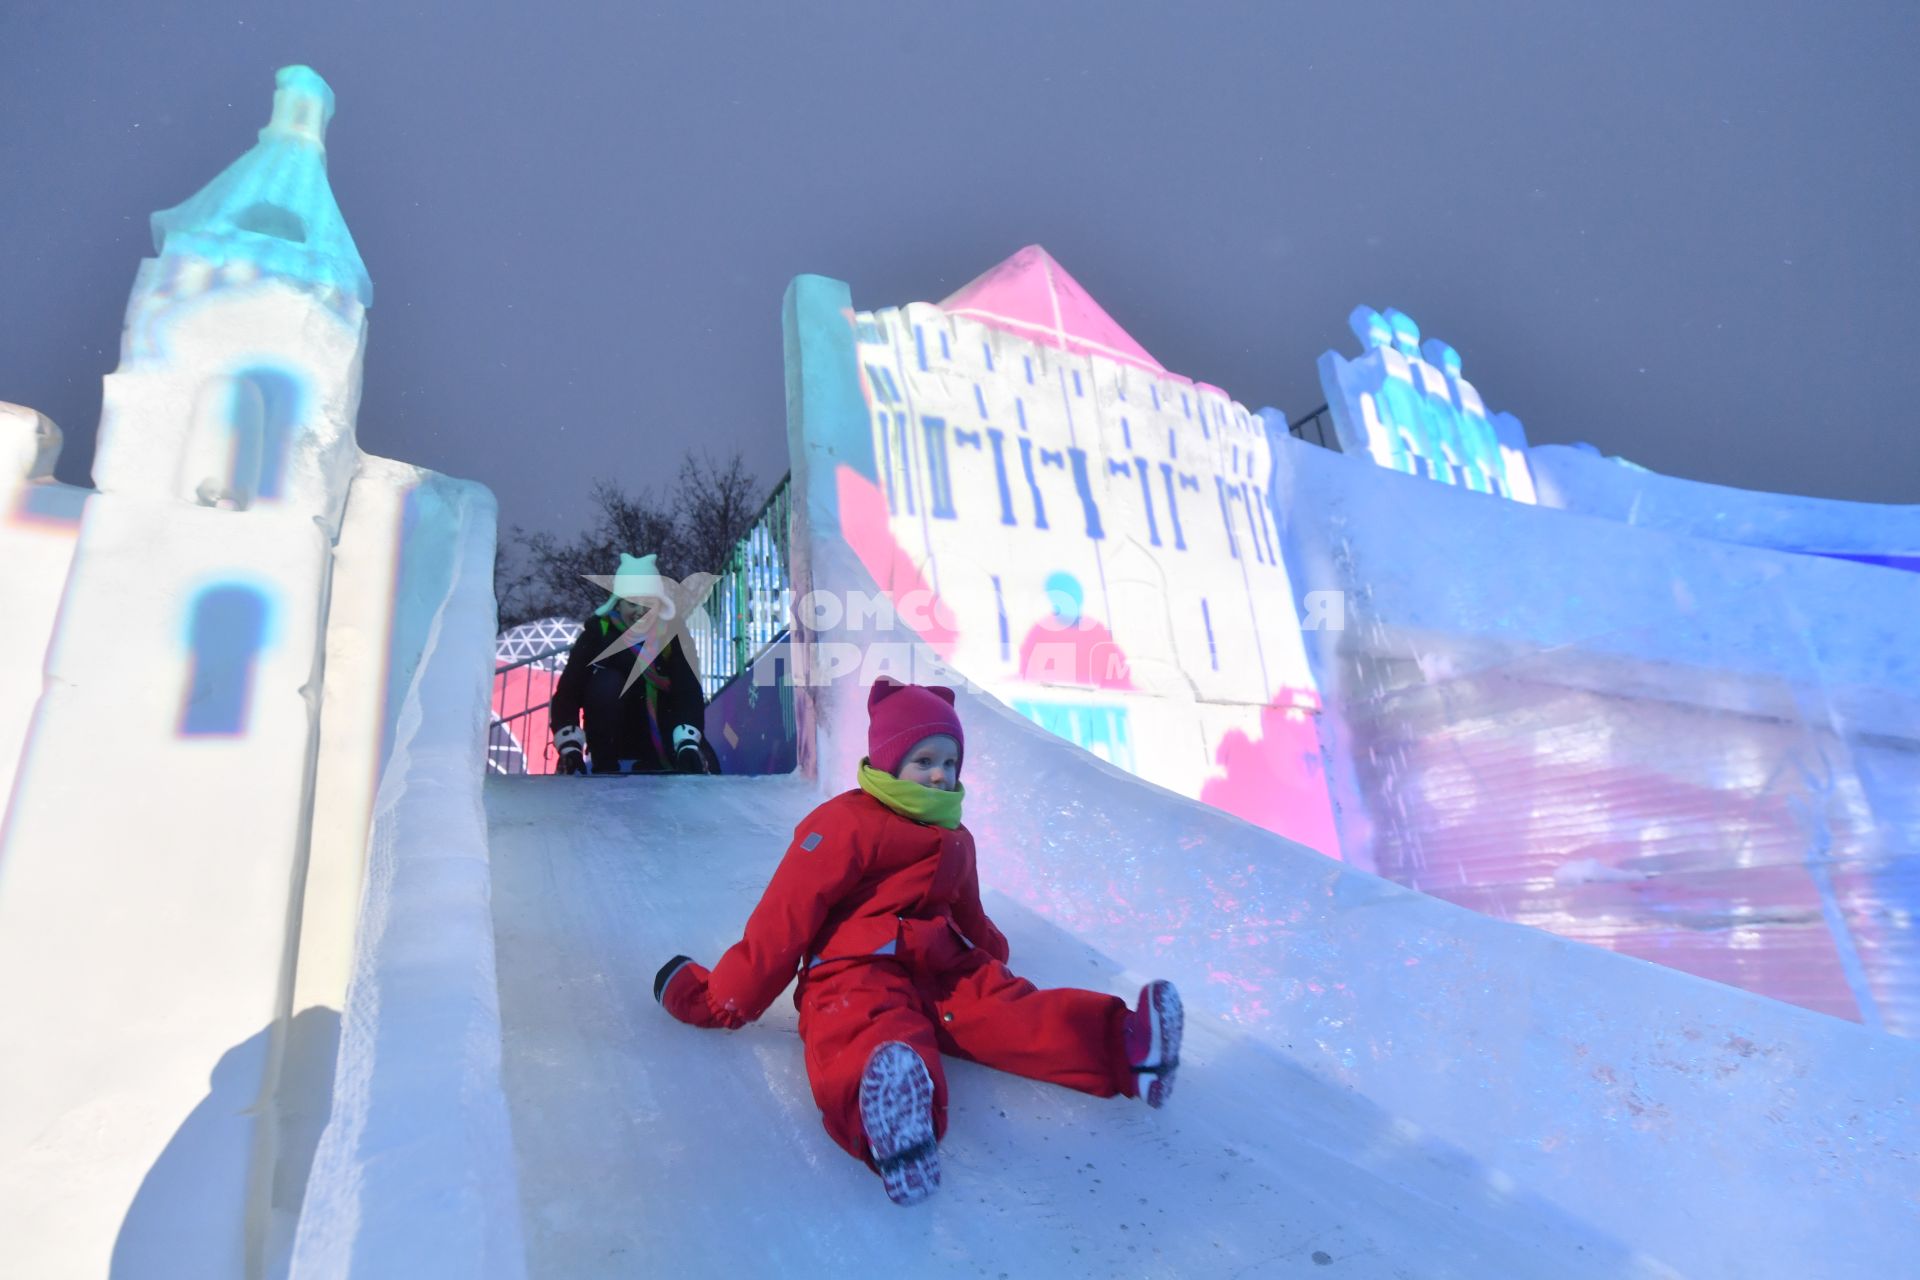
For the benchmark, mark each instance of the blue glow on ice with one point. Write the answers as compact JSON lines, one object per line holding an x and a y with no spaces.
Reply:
{"x":1404,"y":403}
{"x":227,"y":632}
{"x":273,"y":208}
{"x":283,"y":397}
{"x":1100,"y":728}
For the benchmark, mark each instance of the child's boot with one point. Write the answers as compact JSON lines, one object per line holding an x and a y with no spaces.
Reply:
{"x":1152,"y":1037}
{"x":896,"y":1111}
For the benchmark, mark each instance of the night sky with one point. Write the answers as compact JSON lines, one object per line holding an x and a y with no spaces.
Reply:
{"x":1684,"y":233}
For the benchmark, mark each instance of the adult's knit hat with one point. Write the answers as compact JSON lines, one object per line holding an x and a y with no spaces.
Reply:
{"x":900,"y":716}
{"x":638,"y":578}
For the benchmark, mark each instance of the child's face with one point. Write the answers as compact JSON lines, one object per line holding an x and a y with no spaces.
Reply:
{"x":933,"y":762}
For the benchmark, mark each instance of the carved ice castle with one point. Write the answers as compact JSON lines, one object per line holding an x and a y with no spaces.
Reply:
{"x":200,"y":681}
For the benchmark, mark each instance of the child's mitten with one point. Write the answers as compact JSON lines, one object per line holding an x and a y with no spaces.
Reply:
{"x":681,"y":989}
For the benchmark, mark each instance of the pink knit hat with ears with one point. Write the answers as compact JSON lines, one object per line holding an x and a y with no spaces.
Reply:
{"x":899,"y":716}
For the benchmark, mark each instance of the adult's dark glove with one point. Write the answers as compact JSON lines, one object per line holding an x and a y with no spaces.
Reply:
{"x":681,"y":989}
{"x":572,"y":744}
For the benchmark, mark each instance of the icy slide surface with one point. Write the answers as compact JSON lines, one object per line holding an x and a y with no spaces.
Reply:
{"x":1373,"y":1075}
{"x":648,"y":1147}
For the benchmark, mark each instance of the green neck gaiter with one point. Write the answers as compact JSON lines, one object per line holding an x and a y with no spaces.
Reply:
{"x":911,"y":800}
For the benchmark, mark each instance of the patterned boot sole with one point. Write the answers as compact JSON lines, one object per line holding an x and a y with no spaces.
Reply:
{"x":1163,"y":1056}
{"x":896,"y":1109}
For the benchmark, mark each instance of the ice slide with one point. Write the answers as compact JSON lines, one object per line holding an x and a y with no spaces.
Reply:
{"x":1373,"y":1076}
{"x":647,"y":1147}
{"x":250,"y":1013}
{"x":1374,"y":1080}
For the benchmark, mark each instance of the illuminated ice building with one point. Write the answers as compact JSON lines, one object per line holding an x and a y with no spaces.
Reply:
{"x":1673,"y":719}
{"x":1306,"y":712}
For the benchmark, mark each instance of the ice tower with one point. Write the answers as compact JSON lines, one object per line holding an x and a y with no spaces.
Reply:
{"x":200,"y":726}
{"x":240,"y":371}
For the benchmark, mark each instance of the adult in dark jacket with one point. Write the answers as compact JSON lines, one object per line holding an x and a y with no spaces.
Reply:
{"x":646,"y":720}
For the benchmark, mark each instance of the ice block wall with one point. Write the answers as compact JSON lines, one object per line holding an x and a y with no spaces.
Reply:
{"x":1072,"y":528}
{"x":1696,"y":752}
{"x":39,"y":522}
{"x":158,"y":832}
{"x":201,"y":692}
{"x":1553,"y":1083}
{"x":414,"y":1173}
{"x":1579,"y":479}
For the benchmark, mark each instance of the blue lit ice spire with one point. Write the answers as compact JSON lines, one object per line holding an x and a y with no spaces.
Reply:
{"x":1476,"y":434}
{"x":1405,"y":403}
{"x":272,"y":209}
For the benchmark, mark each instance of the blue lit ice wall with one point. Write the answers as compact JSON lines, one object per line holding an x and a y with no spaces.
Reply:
{"x":1577,"y":478}
{"x":1406,"y":404}
{"x":1703,"y":754}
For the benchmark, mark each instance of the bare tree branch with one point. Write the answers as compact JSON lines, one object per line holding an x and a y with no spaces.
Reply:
{"x":717,"y":501}
{"x":694,"y":530}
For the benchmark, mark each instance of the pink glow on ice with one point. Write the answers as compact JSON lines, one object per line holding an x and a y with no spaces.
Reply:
{"x":867,"y":526}
{"x":1032,"y":296}
{"x":1096,"y":659}
{"x":1634,"y":882}
{"x":1278,"y":781}
{"x":53,"y":508}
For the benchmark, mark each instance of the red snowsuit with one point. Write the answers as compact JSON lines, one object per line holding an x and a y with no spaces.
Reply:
{"x":884,"y":913}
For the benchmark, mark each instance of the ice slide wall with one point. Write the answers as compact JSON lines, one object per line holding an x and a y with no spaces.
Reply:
{"x":414,"y":1174}
{"x":1087,"y":537}
{"x":210,"y":660}
{"x":39,"y":520}
{"x":1090,"y":538}
{"x":1558,"y":1079}
{"x":1637,"y":719}
{"x":1577,"y":478}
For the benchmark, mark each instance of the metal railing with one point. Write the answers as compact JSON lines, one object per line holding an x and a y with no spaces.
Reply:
{"x":1316,"y":428}
{"x":747,"y":607}
{"x":511,"y":734}
{"x":744,"y":613}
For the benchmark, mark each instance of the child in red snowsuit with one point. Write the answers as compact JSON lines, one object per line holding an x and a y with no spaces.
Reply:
{"x":877,"y":905}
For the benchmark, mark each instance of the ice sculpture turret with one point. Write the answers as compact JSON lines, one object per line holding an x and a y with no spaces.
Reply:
{"x":239,"y":374}
{"x":196,"y":700}
{"x":272,"y":211}
{"x":1404,"y":403}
